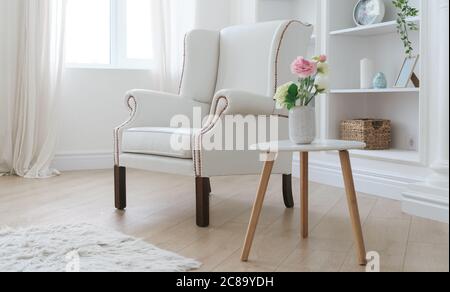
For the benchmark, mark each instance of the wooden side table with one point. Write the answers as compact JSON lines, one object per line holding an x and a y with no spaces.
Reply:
{"x":271,"y":150}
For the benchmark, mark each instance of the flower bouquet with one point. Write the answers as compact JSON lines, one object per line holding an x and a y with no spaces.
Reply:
{"x":298,"y":96}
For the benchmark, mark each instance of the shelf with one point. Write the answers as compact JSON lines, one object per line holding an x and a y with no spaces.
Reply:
{"x":406,"y":156}
{"x":372,"y":30}
{"x":375,"y":91}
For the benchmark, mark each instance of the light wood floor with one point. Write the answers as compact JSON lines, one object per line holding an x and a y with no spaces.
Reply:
{"x":161,"y":211}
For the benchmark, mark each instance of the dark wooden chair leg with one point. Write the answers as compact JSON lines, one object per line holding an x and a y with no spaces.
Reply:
{"x":203,"y":189}
{"x":120,"y":187}
{"x":287,"y":191}
{"x":209,"y":190}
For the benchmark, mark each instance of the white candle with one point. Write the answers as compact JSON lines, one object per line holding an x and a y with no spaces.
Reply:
{"x":367,"y":73}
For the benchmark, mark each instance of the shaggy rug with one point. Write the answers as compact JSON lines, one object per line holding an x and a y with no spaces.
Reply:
{"x":83,"y":248}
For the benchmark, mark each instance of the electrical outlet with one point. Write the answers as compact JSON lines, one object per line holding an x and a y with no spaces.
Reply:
{"x":412,"y":143}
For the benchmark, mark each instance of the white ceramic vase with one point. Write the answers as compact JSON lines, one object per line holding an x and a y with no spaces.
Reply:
{"x":302,"y":124}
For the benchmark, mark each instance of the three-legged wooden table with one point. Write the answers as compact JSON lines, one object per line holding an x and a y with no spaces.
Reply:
{"x":270,"y":151}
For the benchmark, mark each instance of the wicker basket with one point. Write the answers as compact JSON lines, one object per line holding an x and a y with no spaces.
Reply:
{"x":375,"y":133}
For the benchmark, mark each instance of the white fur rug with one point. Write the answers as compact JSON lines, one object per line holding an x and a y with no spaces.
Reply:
{"x":83,"y":248}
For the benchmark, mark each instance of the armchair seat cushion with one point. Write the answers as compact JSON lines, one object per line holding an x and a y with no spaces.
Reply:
{"x":158,"y":141}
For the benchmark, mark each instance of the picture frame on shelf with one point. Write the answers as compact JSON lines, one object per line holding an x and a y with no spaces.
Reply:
{"x":407,"y":73}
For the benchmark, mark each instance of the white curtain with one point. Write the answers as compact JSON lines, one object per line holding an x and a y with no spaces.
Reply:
{"x":31,"y":63}
{"x":171,"y":20}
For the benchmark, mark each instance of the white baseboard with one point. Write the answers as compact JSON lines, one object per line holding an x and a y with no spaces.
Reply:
{"x":83,"y":161}
{"x":384,"y":185}
{"x":427,"y":201}
{"x":417,"y":198}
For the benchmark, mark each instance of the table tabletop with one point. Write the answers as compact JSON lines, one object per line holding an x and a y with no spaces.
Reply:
{"x":316,"y":146}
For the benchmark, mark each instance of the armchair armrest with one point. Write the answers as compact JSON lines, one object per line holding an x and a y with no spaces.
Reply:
{"x":239,"y":102}
{"x":153,"y":109}
{"x":227,"y":103}
{"x":156,"y":109}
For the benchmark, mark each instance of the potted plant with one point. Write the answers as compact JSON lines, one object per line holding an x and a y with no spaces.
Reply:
{"x":297,"y":97}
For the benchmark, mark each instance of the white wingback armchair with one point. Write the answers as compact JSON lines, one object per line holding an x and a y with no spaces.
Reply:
{"x":231,"y":72}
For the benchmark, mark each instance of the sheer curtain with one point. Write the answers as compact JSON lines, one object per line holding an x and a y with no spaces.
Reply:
{"x":171,"y":20}
{"x":31,"y":63}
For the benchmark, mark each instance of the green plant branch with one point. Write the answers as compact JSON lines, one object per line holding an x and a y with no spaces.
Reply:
{"x":403,"y":25}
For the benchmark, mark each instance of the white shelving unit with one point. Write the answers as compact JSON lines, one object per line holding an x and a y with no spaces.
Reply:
{"x":375,"y":91}
{"x":372,"y":30}
{"x":346,"y":44}
{"x":418,"y":119}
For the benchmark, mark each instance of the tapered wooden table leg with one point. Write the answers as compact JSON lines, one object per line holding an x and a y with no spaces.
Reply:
{"x":268,"y":166}
{"x":304,"y":193}
{"x":353,"y":206}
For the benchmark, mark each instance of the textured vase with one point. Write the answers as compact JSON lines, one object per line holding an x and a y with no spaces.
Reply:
{"x":380,"y":81}
{"x":302,"y":125}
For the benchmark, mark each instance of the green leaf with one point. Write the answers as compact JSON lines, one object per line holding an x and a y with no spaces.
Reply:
{"x":291,"y":99}
{"x":293,"y":90}
{"x":290,"y":106}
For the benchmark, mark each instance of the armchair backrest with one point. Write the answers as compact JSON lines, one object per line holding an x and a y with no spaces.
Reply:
{"x":254,"y":58}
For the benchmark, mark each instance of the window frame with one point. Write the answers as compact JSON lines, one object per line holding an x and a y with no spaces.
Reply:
{"x":118,"y":44}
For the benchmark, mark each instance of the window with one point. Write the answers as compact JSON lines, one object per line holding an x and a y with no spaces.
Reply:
{"x":139,"y":46}
{"x":109,"y":33}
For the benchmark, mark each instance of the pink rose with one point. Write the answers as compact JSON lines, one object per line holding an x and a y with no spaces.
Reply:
{"x":304,"y":68}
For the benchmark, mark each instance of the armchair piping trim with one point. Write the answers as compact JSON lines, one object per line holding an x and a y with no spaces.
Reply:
{"x":197,"y":153}
{"x":184,"y":64}
{"x":279,"y":47}
{"x":133,"y":110}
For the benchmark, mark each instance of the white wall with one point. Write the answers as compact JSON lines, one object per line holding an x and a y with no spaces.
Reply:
{"x":213,"y":15}
{"x":92,"y":104}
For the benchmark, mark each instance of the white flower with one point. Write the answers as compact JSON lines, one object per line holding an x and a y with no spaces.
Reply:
{"x":322,"y":84}
{"x":323,"y":69}
{"x":281,"y":94}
